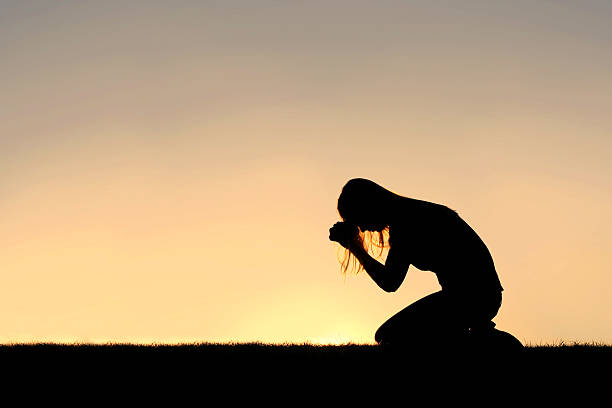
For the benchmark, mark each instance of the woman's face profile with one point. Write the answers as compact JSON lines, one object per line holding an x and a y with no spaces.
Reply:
{"x":370,"y":225}
{"x":368,"y":222}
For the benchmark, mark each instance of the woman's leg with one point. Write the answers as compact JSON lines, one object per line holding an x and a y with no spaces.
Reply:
{"x":430,"y":320}
{"x":480,"y":309}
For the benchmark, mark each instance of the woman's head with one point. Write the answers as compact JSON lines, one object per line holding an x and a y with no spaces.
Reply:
{"x":368,"y":206}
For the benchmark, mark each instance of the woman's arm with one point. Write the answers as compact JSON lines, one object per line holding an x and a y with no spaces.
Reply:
{"x":389,"y":276}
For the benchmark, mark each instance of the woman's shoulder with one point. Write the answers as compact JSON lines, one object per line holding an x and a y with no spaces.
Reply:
{"x":429,"y":220}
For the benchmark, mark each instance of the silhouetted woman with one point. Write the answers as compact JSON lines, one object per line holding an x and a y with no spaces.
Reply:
{"x":431,"y":237}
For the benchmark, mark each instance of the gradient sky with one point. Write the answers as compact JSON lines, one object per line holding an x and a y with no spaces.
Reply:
{"x":169,"y":170}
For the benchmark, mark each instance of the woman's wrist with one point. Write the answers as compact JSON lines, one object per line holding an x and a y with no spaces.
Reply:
{"x":356,"y":247}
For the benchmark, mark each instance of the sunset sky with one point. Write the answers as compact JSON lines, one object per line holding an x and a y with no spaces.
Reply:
{"x":169,"y":170}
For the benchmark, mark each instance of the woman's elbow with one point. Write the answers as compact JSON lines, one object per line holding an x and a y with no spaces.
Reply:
{"x":390,"y":287}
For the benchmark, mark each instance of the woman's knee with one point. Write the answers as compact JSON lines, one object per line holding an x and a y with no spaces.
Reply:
{"x":390,"y":332}
{"x":381,"y":335}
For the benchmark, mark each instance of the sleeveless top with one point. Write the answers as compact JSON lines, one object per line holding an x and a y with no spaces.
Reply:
{"x":437,"y":239}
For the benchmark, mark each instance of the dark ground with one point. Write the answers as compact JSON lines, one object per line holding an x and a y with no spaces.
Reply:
{"x":354,"y":371}
{"x":313,"y":357}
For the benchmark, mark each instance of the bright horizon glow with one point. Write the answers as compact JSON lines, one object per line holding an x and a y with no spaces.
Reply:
{"x":169,"y":174}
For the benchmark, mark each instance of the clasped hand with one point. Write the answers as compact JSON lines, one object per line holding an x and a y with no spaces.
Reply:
{"x":344,"y":233}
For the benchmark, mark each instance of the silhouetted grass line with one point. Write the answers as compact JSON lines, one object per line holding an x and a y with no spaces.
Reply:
{"x":263,"y":345}
{"x":195,"y":350}
{"x":254,"y":349}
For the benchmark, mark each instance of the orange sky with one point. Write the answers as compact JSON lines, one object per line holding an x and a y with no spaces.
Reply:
{"x":169,"y":173}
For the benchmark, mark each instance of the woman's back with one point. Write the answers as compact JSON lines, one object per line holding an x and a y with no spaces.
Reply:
{"x":435,"y":238}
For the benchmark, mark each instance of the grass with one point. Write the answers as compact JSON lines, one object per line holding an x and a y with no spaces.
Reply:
{"x":303,"y":353}
{"x":260,"y":347}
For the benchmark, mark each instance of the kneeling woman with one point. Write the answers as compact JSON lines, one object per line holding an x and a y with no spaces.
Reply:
{"x":431,"y":237}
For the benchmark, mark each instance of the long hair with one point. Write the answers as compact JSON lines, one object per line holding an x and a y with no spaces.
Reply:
{"x":370,"y":240}
{"x":358,"y":197}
